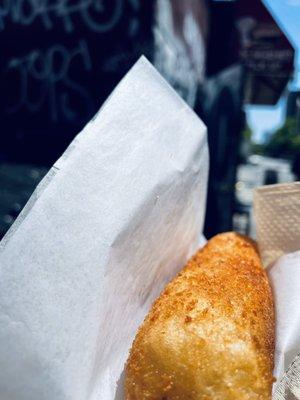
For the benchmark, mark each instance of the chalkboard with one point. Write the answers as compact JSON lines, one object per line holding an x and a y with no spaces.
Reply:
{"x":59,"y":61}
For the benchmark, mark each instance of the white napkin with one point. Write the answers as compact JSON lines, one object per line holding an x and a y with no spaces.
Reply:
{"x":277,"y":212}
{"x":111,"y":223}
{"x":285,"y":278}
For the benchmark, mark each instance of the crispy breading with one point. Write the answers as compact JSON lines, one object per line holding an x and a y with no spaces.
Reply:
{"x":210,"y":334}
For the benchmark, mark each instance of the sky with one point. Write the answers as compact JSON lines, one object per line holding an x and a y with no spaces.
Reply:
{"x":265,"y":119}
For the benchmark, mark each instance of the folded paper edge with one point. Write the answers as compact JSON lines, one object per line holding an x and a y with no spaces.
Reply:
{"x":289,"y":381}
{"x":45,"y":182}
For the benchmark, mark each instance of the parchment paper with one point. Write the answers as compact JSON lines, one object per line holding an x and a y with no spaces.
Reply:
{"x":285,"y":278}
{"x":111,"y":223}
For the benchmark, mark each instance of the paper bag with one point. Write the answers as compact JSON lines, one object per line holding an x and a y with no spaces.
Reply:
{"x":277,"y":212}
{"x":111,"y":223}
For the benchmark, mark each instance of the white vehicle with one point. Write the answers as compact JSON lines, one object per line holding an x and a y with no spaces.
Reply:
{"x":259,"y":171}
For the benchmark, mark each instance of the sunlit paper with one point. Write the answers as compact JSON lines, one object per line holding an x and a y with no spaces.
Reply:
{"x":111,"y":223}
{"x":285,"y":279}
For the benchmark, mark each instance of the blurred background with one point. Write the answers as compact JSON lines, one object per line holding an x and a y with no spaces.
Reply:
{"x":236,"y":62}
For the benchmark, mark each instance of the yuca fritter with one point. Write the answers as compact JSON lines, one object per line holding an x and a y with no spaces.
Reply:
{"x":210,"y":334}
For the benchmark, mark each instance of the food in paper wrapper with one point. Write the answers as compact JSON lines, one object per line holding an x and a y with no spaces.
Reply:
{"x":83,"y":263}
{"x":210,"y":335}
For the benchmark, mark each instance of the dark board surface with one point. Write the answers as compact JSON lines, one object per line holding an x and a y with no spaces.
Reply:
{"x":59,"y":60}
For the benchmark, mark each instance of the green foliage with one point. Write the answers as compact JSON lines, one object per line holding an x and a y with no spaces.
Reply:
{"x":247,"y":133}
{"x":257,"y":148}
{"x":285,"y":142}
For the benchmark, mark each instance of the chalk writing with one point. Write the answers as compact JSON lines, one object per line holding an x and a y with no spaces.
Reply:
{"x":49,"y":72}
{"x":97,"y":16}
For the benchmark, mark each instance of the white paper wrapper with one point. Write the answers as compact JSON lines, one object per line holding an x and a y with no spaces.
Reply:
{"x":285,"y":278}
{"x":112,"y":222}
{"x":277,"y":211}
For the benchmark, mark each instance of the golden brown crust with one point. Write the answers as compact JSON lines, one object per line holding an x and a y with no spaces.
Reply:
{"x":210,"y":334}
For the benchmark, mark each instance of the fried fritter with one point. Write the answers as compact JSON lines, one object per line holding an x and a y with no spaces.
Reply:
{"x":210,"y":334}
